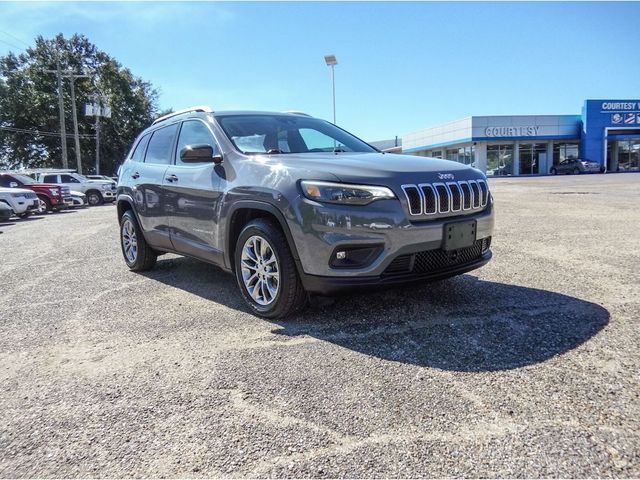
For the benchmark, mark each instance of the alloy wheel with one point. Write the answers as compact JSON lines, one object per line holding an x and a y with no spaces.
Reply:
{"x":129,"y":241}
{"x":260,"y":270}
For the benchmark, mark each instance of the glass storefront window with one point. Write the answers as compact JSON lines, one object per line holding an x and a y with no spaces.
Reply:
{"x":564,"y":151}
{"x":629,"y":155}
{"x":462,"y":155}
{"x":437,"y":154}
{"x":499,"y":160}
{"x":531,"y":156}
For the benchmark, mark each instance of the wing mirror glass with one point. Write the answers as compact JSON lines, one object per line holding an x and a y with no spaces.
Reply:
{"x":200,"y":153}
{"x":13,"y":184}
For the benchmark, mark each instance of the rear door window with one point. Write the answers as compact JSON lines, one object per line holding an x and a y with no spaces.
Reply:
{"x":50,"y":179}
{"x":161,"y":145}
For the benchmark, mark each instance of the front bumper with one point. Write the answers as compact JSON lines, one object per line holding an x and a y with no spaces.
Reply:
{"x":320,"y":230}
{"x":333,"y":285}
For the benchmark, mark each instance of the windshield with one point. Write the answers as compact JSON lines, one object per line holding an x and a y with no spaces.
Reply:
{"x":288,"y":134}
{"x":24,"y":179}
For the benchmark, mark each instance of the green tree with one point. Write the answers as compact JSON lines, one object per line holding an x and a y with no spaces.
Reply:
{"x":29,"y":101}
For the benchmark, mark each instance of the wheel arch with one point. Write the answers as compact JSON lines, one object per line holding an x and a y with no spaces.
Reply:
{"x":243,"y":212}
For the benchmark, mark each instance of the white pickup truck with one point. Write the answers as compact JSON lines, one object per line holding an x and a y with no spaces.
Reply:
{"x":97,"y":191}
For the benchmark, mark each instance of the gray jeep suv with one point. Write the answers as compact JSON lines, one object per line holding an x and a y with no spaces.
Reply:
{"x":294,"y":205}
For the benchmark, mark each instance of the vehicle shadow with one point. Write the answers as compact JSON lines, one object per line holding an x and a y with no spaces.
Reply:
{"x":460,"y":324}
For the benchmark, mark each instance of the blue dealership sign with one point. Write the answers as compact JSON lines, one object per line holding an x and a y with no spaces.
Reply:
{"x":599,"y":117}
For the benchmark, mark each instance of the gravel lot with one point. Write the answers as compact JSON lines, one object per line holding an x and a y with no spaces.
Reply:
{"x":528,"y":367}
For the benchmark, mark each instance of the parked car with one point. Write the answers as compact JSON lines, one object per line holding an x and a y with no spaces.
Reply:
{"x":52,"y":197}
{"x":5,"y":212}
{"x":97,"y":191}
{"x":294,"y":205}
{"x":79,"y":199}
{"x":576,"y":166}
{"x":23,"y":202}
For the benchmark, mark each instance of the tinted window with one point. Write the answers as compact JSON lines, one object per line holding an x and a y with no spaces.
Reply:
{"x":5,"y":181}
{"x":160,"y":145}
{"x":138,"y":153}
{"x":50,"y":179}
{"x":68,"y":179}
{"x":192,"y":133}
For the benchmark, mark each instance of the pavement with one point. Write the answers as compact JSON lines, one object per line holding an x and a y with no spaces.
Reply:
{"x":528,"y":367}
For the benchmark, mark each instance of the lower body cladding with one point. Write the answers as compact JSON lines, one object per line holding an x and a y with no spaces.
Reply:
{"x":343,"y":249}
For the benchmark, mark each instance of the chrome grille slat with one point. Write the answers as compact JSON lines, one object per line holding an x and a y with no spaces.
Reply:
{"x":446,"y":198}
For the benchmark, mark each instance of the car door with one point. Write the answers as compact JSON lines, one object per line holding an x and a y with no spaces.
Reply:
{"x":147,"y":182}
{"x":192,"y":195}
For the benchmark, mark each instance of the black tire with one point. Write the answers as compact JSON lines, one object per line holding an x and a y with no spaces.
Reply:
{"x":94,"y":198}
{"x":291,"y":296}
{"x":553,"y":171}
{"x":576,"y":171}
{"x":47,"y":203}
{"x":145,"y":257}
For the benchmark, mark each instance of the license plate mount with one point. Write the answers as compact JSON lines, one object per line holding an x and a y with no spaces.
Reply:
{"x":459,"y":235}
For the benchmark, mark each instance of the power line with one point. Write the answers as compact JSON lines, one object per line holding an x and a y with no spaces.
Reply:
{"x":44,"y":133}
{"x":12,"y":45}
{"x":15,"y":38}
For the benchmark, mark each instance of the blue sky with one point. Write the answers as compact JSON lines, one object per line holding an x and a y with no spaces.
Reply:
{"x":402,"y":66}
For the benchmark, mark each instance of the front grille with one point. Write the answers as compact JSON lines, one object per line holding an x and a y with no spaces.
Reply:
{"x":434,"y":261}
{"x":446,"y":198}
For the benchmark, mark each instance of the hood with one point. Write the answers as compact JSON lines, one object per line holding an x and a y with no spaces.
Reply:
{"x":24,"y":191}
{"x":44,"y":185}
{"x":378,"y":168}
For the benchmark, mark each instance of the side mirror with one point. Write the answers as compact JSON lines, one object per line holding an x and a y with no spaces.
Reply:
{"x":200,"y":153}
{"x":13,"y":185}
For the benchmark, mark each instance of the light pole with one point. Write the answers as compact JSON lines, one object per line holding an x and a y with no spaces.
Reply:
{"x":331,"y":61}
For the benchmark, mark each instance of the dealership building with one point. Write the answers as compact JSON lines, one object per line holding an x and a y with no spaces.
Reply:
{"x":607,"y":132}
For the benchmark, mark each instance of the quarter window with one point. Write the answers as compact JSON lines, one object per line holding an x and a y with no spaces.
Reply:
{"x":138,"y":153}
{"x":160,"y":145}
{"x":194,"y":132}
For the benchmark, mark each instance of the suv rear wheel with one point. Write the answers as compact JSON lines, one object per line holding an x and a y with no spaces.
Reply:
{"x":266,"y":271}
{"x":138,"y":255}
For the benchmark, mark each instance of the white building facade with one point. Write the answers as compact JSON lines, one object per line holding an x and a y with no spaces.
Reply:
{"x":501,"y":145}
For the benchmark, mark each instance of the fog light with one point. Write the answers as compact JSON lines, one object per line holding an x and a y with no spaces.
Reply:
{"x":355,"y":257}
{"x":486,"y":243}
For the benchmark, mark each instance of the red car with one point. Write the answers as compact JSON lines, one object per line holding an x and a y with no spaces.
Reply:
{"x":51,"y":196}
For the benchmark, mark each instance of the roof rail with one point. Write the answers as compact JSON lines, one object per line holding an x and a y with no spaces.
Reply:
{"x":295,"y":112}
{"x":197,"y":108}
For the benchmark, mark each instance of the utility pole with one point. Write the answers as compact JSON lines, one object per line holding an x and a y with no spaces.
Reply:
{"x":76,"y":135}
{"x":63,"y":129}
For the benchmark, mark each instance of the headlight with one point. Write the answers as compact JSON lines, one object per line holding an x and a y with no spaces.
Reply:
{"x":16,"y":195}
{"x":54,"y":191}
{"x":344,"y":193}
{"x":106,"y":186}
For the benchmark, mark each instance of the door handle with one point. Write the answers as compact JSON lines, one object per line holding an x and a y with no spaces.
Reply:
{"x":135,"y":175}
{"x":172,"y":178}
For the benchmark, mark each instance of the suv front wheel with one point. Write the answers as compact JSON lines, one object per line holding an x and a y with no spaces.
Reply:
{"x":138,"y":255}
{"x":266,"y":271}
